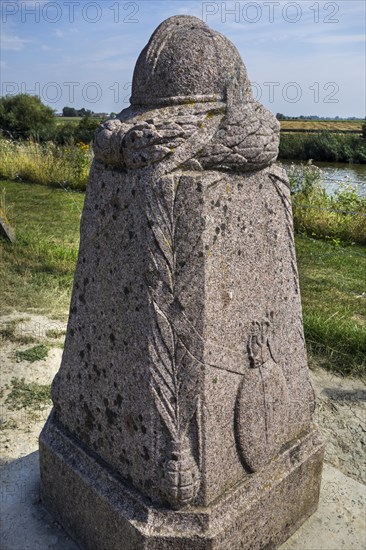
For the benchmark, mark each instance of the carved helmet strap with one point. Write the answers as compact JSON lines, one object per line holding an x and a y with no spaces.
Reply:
{"x":190,"y":147}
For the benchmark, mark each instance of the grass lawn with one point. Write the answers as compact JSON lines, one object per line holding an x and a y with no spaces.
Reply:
{"x":37,"y":271}
{"x":74,"y":120}
{"x":285,"y":124}
{"x":68,"y":120}
{"x":322,"y":125}
{"x":37,"y":274}
{"x":333,"y":292}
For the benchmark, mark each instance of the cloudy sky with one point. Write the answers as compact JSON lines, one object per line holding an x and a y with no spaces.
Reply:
{"x":304,"y":57}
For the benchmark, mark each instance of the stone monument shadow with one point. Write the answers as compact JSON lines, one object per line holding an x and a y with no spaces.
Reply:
{"x":24,"y":520}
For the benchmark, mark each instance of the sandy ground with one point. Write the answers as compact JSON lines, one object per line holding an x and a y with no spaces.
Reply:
{"x":341,"y":415}
{"x":19,"y":429}
{"x":341,"y":402}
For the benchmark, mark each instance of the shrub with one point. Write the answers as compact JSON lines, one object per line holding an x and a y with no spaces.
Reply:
{"x":25,"y":116}
{"x":46,"y":163}
{"x":323,"y":146}
{"x":337,"y":217}
{"x":85,"y":130}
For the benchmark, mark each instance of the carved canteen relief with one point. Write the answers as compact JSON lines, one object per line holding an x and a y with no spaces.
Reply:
{"x":263,"y":402}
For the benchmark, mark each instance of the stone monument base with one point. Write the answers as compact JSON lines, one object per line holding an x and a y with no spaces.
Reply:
{"x":99,"y":510}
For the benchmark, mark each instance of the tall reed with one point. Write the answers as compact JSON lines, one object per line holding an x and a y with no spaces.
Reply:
{"x":45,"y":163}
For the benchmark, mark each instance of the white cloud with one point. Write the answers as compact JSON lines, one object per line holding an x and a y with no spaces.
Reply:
{"x":337,"y":39}
{"x":14,"y":43}
{"x":304,"y":52}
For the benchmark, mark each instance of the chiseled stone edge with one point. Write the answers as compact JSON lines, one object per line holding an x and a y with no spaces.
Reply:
{"x":6,"y":230}
{"x":99,"y":509}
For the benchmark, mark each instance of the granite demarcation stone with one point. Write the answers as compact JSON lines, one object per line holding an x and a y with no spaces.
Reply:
{"x":6,"y":231}
{"x":183,"y":409}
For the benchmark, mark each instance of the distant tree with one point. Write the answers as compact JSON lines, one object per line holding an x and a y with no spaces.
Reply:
{"x":69,"y":112}
{"x":280,"y":116}
{"x":64,"y":133}
{"x":25,"y":116}
{"x":113,"y":115}
{"x":364,"y":130}
{"x":84,"y":112}
{"x":85,"y":130}
{"x":72,"y":112}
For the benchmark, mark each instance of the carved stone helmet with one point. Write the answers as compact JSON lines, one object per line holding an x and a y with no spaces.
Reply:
{"x":187,"y":61}
{"x":187,"y":79}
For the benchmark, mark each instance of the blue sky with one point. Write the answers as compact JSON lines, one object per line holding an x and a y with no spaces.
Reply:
{"x":303,"y":57}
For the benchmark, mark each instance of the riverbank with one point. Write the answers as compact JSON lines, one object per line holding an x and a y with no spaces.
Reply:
{"x":337,"y":216}
{"x":68,"y":165}
{"x":323,"y":146}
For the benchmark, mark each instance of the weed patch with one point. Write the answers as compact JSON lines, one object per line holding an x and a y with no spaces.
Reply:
{"x":28,"y":395}
{"x":37,"y":353}
{"x":8,"y":333}
{"x":340,"y":217}
{"x":46,"y":164}
{"x":55,"y":333}
{"x":323,"y":146}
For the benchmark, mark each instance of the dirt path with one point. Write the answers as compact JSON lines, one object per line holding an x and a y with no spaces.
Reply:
{"x":341,"y":414}
{"x":20,"y":428}
{"x":341,"y":402}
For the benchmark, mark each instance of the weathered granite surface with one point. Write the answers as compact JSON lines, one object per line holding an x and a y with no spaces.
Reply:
{"x":6,"y":230}
{"x":102,"y":511}
{"x":184,"y":376}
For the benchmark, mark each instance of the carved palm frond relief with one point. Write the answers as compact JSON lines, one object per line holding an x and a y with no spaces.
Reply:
{"x":173,"y":384}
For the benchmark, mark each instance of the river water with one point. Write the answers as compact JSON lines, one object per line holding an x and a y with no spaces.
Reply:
{"x":336,"y":173}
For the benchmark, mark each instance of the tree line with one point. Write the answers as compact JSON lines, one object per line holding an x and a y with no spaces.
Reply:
{"x":24,"y":116}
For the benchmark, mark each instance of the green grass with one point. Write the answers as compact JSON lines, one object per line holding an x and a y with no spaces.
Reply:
{"x":8,"y":332}
{"x":28,"y":395}
{"x":68,"y":120}
{"x":37,"y":353}
{"x":76,"y":119}
{"x":340,"y":217}
{"x":55,"y":333}
{"x":49,"y":164}
{"x":332,"y":282}
{"x":323,"y":146}
{"x":322,"y":125}
{"x":37,"y":274}
{"x":37,"y":271}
